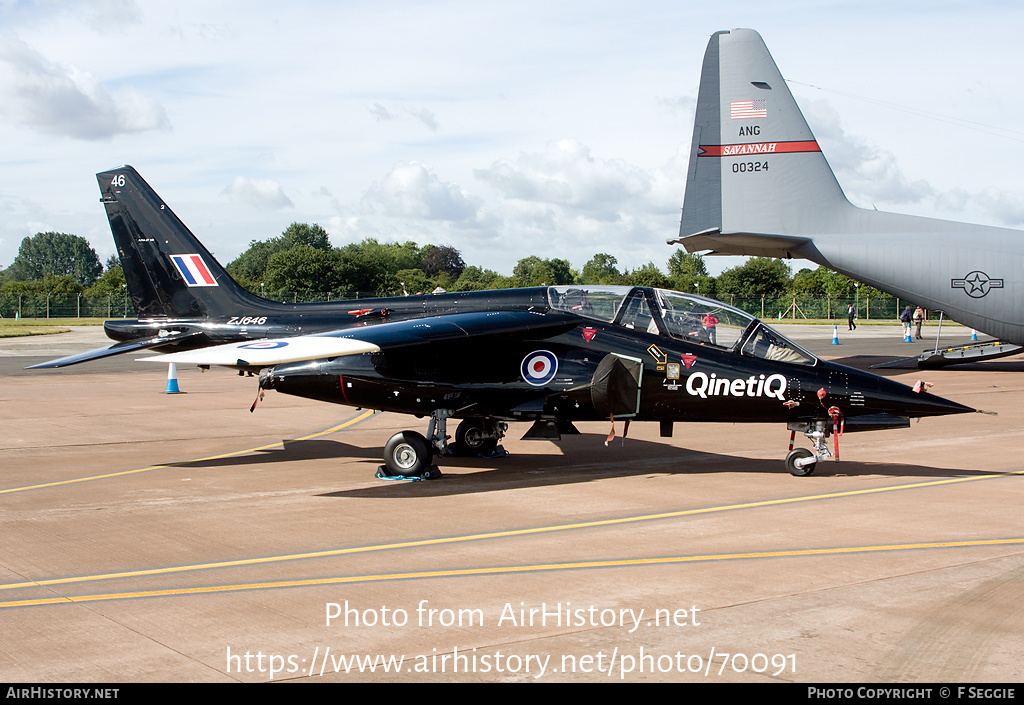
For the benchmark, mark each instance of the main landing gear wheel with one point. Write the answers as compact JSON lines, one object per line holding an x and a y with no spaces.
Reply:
{"x":408,"y":454}
{"x":475,"y":437}
{"x":801,"y":469}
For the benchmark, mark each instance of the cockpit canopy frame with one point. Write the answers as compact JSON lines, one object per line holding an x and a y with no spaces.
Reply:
{"x":681,"y":316}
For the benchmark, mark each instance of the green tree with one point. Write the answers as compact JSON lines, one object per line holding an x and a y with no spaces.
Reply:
{"x":687,"y":272}
{"x":476,"y":279}
{"x":757,"y":277}
{"x":823,"y":283}
{"x":647,"y":275}
{"x":534,"y":271}
{"x":601,"y":269}
{"x":55,"y":254}
{"x":837,"y":286}
{"x":443,"y":258}
{"x":47,"y":284}
{"x":686,"y":263}
{"x":250,"y":267}
{"x":415,"y":281}
{"x":110,"y":282}
{"x":808,"y":283}
{"x":373,"y":267}
{"x":305,"y":234}
{"x":303,"y":268}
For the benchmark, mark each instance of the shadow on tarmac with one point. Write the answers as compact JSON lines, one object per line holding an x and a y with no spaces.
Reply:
{"x":583,"y":458}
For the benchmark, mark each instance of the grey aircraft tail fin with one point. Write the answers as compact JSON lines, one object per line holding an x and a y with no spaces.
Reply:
{"x":167,"y":270}
{"x":758,"y":184}
{"x":757,"y":181}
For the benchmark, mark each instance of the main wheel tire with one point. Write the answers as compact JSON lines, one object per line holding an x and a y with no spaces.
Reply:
{"x":799,"y":454}
{"x":407,"y":453}
{"x":473,"y":437}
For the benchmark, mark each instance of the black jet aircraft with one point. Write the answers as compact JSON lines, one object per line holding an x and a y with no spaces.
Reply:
{"x":547,"y":355}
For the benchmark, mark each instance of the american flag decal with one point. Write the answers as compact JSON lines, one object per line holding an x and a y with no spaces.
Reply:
{"x":193,"y":270}
{"x":748,"y":109}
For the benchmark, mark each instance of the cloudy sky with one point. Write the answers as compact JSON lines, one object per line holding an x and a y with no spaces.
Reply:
{"x":506,"y":129}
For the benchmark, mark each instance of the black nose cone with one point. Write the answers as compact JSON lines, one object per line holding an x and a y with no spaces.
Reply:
{"x":917,"y":401}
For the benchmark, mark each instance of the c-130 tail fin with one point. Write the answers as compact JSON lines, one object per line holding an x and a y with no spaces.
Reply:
{"x":758,"y":184}
{"x":757,"y":181}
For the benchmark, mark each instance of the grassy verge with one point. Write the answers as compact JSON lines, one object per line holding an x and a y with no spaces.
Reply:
{"x":10,"y":328}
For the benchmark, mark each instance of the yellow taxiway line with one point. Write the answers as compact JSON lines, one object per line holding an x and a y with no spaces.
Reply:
{"x":507,"y":534}
{"x":498,"y":570}
{"x":351,"y":422}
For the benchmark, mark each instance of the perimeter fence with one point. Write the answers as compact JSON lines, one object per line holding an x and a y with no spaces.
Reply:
{"x":120,"y":305}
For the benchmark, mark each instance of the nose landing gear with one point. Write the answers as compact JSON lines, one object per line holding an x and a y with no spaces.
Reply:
{"x":802,"y":461}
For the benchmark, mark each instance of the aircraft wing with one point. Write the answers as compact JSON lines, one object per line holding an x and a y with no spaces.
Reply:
{"x":266,"y":352}
{"x":116,"y":349}
{"x":372,"y":338}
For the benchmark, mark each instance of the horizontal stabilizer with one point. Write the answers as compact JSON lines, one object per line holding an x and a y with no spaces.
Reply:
{"x":716,"y":243}
{"x":117,"y":349}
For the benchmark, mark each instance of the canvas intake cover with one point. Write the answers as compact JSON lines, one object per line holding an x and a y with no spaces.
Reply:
{"x":615,"y":389}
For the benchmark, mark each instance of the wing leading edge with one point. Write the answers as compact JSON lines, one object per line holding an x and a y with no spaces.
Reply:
{"x":117,"y":349}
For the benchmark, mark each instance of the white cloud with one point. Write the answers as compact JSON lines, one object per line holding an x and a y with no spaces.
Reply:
{"x":112,"y":15}
{"x":568,"y":175}
{"x":59,"y":99}
{"x":421,"y":115}
{"x":868,"y":174}
{"x":261,"y":193}
{"x":412,"y":190}
{"x":566,"y":202}
{"x":381,"y":113}
{"x":1007,"y":208}
{"x":426,"y":117}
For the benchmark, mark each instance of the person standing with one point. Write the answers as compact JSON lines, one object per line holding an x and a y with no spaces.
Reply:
{"x":710,"y":322}
{"x":906,"y":318}
{"x":918,"y":320}
{"x":851,"y":313}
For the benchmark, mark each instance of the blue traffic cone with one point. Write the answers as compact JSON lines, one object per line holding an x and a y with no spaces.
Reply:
{"x":906,"y":336}
{"x":974,"y":335}
{"x":835,"y":335}
{"x":172,"y":379}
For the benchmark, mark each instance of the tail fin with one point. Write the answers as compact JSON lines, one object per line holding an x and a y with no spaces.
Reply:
{"x":167,"y":270}
{"x":757,"y":181}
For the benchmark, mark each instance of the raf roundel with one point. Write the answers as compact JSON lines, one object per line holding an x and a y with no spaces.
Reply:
{"x":539,"y":367}
{"x":264,"y":345}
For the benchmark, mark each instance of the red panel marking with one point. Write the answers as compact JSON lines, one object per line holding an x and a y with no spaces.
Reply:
{"x":757,"y":148}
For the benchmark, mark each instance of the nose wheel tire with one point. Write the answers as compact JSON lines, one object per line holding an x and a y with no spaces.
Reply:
{"x":801,"y":469}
